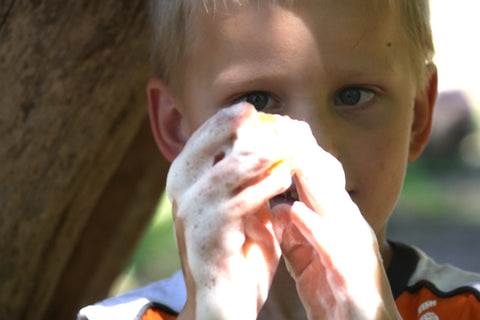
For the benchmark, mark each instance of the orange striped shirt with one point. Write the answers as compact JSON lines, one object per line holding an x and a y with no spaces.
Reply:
{"x":422,"y":289}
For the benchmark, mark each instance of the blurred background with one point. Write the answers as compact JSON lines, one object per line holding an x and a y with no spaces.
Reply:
{"x":439,"y":208}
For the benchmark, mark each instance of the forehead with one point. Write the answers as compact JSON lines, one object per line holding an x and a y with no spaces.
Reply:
{"x":339,"y":14}
{"x":334,"y":33}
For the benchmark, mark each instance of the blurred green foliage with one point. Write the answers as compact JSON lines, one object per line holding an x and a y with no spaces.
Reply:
{"x":441,"y":192}
{"x":156,"y":255}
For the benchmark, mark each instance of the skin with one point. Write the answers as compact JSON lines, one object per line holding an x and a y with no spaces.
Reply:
{"x":349,"y":169}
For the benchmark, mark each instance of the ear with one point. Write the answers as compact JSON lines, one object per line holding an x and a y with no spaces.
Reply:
{"x":423,"y":116}
{"x":165,"y":119}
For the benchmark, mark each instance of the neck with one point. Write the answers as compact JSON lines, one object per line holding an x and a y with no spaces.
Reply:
{"x":283,"y":302}
{"x":385,"y":248}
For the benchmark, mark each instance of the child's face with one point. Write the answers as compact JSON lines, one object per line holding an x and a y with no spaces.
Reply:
{"x":338,"y":65}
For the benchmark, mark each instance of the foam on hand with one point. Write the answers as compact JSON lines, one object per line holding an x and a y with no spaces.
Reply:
{"x":249,"y":144}
{"x":274,"y":122}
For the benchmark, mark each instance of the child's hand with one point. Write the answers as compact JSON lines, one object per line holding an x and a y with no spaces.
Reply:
{"x":219,"y":187}
{"x":330,"y":249}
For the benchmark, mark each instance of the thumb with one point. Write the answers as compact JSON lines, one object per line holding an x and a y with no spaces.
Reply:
{"x":298,"y":252}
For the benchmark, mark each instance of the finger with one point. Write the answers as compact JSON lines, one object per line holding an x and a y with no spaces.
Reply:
{"x":307,"y":237}
{"x":320,"y":181}
{"x":218,"y":191}
{"x":208,"y":145}
{"x":328,"y":238}
{"x":237,"y":173}
{"x":261,"y":251}
{"x":257,"y":194}
{"x":236,"y":138}
{"x":297,"y":250}
{"x":259,"y":231}
{"x":222,"y":214}
{"x":218,"y":130}
{"x":319,"y":232}
{"x":339,"y":275}
{"x":319,"y":176}
{"x":257,"y":150}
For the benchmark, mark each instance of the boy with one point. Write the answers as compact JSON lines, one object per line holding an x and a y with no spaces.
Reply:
{"x":248,"y":188}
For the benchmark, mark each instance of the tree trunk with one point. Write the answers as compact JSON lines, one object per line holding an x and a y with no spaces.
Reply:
{"x":79,"y":171}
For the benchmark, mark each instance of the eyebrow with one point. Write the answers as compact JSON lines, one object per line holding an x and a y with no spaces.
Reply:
{"x":244,"y":73}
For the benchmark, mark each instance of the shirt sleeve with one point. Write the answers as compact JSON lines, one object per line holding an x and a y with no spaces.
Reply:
{"x":156,"y":314}
{"x":426,"y":304}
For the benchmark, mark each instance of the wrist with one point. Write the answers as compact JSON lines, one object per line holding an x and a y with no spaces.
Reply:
{"x":220,"y":302}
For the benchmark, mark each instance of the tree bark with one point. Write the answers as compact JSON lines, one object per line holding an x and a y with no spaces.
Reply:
{"x":79,"y":171}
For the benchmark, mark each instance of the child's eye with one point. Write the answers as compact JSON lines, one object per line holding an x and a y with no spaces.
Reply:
{"x":354,"y":96}
{"x":260,"y":100}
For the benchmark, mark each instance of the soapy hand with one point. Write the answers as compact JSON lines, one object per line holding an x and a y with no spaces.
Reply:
{"x":330,"y":250}
{"x":219,"y":187}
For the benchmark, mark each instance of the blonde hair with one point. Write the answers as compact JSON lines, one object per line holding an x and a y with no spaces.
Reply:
{"x":173,"y":23}
{"x":418,"y":31}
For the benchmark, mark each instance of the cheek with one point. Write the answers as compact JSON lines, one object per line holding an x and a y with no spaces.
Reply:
{"x":198,"y":104}
{"x":390,"y":158}
{"x":376,"y":172}
{"x":389,"y":180}
{"x":196,"y":116}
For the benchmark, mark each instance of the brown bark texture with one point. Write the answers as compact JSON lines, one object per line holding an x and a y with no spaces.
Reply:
{"x":79,"y":171}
